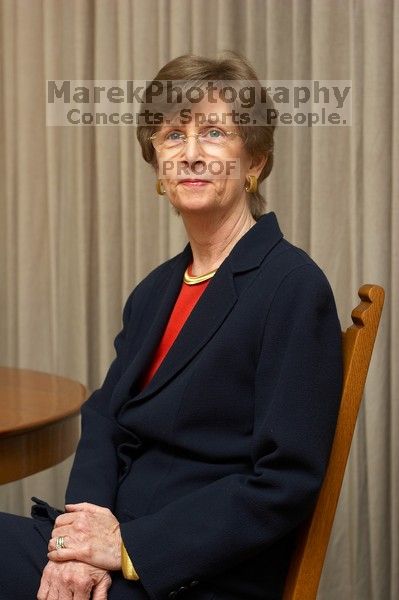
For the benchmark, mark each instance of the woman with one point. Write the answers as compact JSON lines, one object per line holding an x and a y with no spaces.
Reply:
{"x":206,"y":445}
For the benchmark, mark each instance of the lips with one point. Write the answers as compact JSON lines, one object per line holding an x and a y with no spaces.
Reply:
{"x":194,"y":182}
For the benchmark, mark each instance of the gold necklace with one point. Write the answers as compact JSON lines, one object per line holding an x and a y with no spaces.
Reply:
{"x":193,"y":279}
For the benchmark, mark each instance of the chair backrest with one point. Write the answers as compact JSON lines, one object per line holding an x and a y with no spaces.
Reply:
{"x":358,"y":340}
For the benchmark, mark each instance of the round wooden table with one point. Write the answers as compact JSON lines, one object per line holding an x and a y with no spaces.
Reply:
{"x":39,"y":421}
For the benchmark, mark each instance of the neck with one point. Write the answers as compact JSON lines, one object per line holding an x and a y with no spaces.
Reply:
{"x":212,"y":238}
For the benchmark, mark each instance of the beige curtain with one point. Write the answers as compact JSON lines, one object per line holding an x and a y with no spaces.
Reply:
{"x":81,"y":223}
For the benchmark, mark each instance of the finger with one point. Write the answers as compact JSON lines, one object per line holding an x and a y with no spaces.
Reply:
{"x":52,"y":545}
{"x":53,"y":593}
{"x":43,"y":589}
{"x":74,"y":584}
{"x":63,"y":555}
{"x":64,"y":519}
{"x":63,"y":531}
{"x":80,"y":594}
{"x":84,"y":506}
{"x":63,"y":593}
{"x":100,"y":592}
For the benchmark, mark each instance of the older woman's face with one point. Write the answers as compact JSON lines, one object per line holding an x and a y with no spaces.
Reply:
{"x":202,"y":162}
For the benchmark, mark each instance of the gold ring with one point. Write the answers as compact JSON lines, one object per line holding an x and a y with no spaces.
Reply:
{"x":59,"y":543}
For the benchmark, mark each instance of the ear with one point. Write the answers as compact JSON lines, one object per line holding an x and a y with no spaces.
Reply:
{"x":257,"y":165}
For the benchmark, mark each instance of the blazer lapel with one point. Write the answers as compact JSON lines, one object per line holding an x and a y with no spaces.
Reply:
{"x":205,"y":319}
{"x":207,"y":316}
{"x":168,"y":289}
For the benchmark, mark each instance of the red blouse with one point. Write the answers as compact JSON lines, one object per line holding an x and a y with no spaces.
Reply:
{"x":187,"y":299}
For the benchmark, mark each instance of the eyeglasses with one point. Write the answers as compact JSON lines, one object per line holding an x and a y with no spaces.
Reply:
{"x":173,"y":141}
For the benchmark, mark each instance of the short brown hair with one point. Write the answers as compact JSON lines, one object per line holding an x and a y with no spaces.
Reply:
{"x":258,"y":140}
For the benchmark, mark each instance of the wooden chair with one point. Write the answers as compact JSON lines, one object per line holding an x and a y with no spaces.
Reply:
{"x":358,"y":340}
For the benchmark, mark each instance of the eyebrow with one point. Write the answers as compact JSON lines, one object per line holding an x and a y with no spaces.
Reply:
{"x":205,"y":123}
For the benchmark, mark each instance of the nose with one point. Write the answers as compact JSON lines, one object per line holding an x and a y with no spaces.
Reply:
{"x":192,"y":150}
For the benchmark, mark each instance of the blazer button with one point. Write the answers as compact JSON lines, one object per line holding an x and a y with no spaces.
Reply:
{"x":172,"y":594}
{"x":193,"y":583}
{"x":182,"y":588}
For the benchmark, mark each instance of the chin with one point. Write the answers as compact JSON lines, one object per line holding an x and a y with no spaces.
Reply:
{"x":194,"y":200}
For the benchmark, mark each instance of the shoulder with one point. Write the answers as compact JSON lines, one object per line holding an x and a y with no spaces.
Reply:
{"x":295,"y":287}
{"x":301,"y":304}
{"x":265,"y":246}
{"x":293,"y":267}
{"x":288,"y":257}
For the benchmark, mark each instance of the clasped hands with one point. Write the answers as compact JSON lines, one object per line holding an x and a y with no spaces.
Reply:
{"x":92,"y":547}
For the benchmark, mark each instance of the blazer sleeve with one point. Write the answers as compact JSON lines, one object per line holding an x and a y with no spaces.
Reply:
{"x":94,"y":473}
{"x":297,"y":392}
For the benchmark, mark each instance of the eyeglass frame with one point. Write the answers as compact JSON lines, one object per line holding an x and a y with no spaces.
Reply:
{"x":196,"y":135}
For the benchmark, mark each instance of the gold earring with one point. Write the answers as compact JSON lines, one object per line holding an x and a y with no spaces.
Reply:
{"x":160,"y":190}
{"x":252,"y":185}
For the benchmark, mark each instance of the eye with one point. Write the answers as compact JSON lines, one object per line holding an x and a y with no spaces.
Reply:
{"x":215,"y":133}
{"x":174,"y":135}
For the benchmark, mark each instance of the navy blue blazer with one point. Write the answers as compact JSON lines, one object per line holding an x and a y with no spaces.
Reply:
{"x":212,"y":466}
